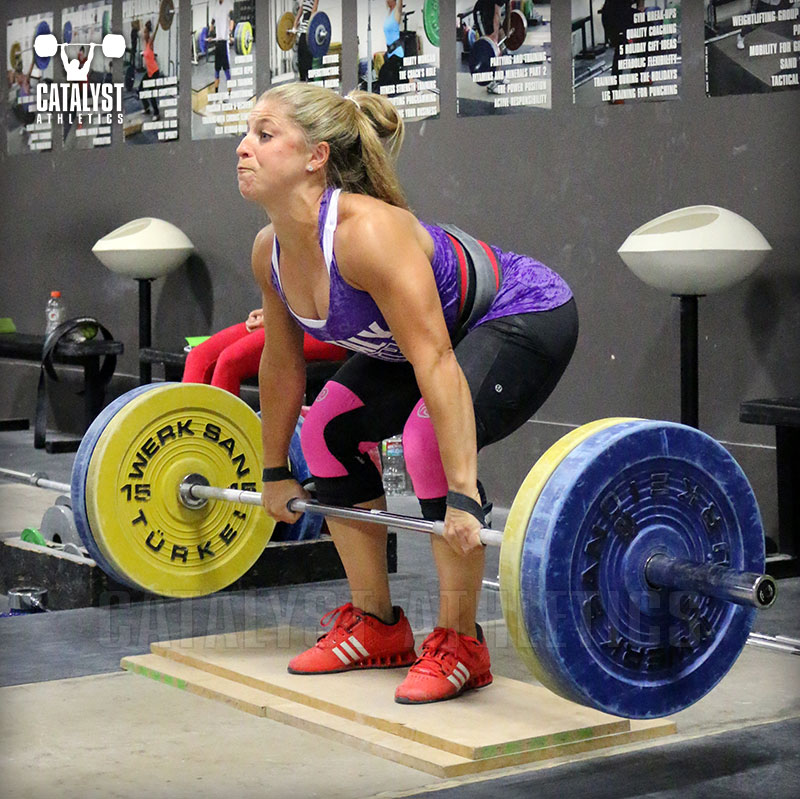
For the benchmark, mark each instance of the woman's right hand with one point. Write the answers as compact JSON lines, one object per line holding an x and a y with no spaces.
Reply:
{"x":276,"y":495}
{"x":255,"y":320}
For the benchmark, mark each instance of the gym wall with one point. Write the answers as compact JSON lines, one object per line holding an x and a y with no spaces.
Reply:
{"x":566,"y":185}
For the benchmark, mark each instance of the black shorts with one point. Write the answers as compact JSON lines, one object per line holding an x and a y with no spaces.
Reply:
{"x":389,"y":74}
{"x":511,"y":365}
{"x":221,"y":61}
{"x":483,"y":14}
{"x":305,"y":60}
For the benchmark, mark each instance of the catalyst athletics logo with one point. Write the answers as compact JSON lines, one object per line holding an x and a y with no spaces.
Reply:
{"x":78,"y":97}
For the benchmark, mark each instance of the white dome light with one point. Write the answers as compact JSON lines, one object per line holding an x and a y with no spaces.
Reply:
{"x":144,"y":249}
{"x":696,"y":250}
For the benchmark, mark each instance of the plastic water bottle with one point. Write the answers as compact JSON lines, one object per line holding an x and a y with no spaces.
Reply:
{"x":55,"y":312}
{"x":394,"y":466}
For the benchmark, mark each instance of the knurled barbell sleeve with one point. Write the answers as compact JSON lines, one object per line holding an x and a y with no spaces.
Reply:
{"x":743,"y":588}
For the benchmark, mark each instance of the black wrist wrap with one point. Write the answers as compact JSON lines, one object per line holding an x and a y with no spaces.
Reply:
{"x":467,"y":504}
{"x":276,"y":474}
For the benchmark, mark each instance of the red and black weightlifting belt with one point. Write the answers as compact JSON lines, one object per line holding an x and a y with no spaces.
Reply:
{"x":480,"y":276}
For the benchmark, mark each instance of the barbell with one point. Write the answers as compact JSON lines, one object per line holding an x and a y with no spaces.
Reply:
{"x":166,"y":14}
{"x":485,"y":49}
{"x":631,"y":564}
{"x":105,"y":26}
{"x":243,"y":38}
{"x":41,"y":61}
{"x":318,"y":36}
{"x":113,"y":45}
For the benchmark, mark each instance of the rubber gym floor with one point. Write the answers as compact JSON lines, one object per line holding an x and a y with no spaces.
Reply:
{"x":75,"y":725}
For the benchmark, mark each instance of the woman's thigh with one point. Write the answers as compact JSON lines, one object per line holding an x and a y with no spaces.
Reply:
{"x":366,"y":401}
{"x":382,"y":394}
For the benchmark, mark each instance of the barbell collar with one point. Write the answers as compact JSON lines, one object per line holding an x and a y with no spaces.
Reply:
{"x":743,"y":588}
{"x":38,"y":479}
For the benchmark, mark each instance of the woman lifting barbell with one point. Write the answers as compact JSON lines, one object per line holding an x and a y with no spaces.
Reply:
{"x":457,"y":344}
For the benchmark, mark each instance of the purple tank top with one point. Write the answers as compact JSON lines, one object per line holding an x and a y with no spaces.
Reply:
{"x":355,"y":321}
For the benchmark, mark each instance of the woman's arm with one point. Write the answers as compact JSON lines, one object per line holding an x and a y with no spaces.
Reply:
{"x":398,"y":12}
{"x":379,"y":250}
{"x":281,"y":380}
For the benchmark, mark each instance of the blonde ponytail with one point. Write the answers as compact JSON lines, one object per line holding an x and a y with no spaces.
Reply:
{"x":364,"y":132}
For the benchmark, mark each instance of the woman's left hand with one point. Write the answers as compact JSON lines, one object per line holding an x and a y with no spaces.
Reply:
{"x":462,"y":531}
{"x":255,"y":320}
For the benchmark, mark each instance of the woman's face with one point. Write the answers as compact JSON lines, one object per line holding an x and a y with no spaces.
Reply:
{"x":273,"y":155}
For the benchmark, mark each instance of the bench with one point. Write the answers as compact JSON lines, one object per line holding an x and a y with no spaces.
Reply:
{"x":579,"y":24}
{"x":784,"y":415}
{"x":28,"y":347}
{"x":317,"y":372}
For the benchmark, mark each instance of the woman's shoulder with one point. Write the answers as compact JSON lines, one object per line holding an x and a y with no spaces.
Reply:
{"x":361,"y":213}
{"x":264,"y":239}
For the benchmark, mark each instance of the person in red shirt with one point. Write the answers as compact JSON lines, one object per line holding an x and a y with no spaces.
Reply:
{"x":234,"y":354}
{"x":151,"y":65}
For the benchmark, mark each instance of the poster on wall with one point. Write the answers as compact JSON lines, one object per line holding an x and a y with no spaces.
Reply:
{"x":84,"y":31}
{"x":625,"y":52}
{"x":306,"y":42}
{"x":504,"y":57}
{"x":151,"y":70}
{"x":398,"y":54}
{"x":752,"y":46}
{"x":223,"y":67}
{"x":26,"y":129}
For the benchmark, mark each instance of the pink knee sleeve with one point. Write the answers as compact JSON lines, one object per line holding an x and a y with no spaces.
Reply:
{"x":421,"y":451}
{"x":333,"y":400}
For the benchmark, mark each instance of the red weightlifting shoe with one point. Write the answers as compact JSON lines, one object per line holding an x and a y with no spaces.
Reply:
{"x":357,"y":641}
{"x":450,"y":664}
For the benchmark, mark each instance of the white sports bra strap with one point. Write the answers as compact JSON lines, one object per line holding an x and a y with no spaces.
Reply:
{"x":331,"y":220}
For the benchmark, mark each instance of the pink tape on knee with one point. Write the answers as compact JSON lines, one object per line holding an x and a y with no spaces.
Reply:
{"x":333,"y":400}
{"x":421,"y":451}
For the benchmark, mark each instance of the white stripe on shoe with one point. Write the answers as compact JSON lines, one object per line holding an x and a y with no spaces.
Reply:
{"x":358,"y":645}
{"x":349,"y":655}
{"x":459,"y":676}
{"x":457,"y":681}
{"x":347,"y":648}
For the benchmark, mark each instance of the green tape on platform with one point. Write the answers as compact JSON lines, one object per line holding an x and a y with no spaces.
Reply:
{"x":32,"y":536}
